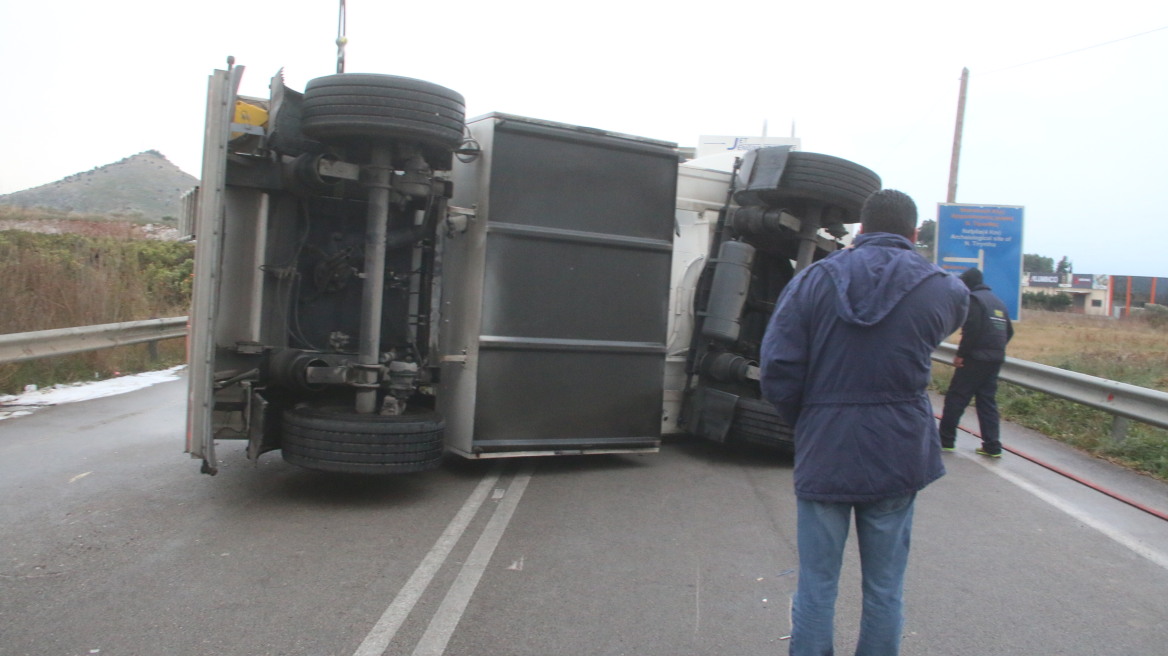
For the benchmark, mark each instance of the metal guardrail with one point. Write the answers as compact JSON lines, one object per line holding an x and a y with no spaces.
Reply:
{"x":1124,"y":401}
{"x":19,"y":347}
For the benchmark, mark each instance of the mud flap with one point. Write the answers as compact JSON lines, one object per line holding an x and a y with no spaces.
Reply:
{"x":710,"y":413}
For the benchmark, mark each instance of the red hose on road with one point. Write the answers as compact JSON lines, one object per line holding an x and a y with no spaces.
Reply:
{"x":1078,"y":479}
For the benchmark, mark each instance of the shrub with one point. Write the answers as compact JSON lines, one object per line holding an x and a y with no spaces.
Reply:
{"x":1059,"y":302}
{"x":1155,"y":314}
{"x":68,"y":280}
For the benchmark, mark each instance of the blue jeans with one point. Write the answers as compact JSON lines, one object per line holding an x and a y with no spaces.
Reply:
{"x":884,"y":530}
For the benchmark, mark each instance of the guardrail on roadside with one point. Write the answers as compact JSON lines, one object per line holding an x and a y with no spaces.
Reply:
{"x":1123,"y":401}
{"x":19,"y":347}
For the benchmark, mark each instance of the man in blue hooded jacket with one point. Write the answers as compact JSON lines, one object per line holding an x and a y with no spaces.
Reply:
{"x":846,"y":360}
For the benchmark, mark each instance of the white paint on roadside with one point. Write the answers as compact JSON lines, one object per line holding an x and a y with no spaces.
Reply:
{"x":79,"y":476}
{"x":445,"y":620}
{"x":37,"y":399}
{"x":391,"y":620}
{"x":1123,"y":538}
{"x":697,"y":597}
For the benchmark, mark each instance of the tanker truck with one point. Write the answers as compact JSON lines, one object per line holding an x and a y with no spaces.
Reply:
{"x":381,"y":283}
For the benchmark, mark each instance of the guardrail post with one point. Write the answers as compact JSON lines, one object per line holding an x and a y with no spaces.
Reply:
{"x":1119,"y":428}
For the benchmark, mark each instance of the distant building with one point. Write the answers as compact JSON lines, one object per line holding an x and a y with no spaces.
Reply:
{"x":1131,"y":292}
{"x":1100,"y":295}
{"x":1088,"y":292}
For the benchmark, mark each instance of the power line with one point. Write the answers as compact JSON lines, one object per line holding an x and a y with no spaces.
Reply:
{"x":1097,"y":45}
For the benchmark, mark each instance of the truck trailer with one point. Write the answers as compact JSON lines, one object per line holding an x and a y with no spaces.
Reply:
{"x":380,"y":282}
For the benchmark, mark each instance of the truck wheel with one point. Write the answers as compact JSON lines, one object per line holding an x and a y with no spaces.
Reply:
{"x":359,"y":107}
{"x":815,"y":178}
{"x":337,"y":439}
{"x":756,"y":422}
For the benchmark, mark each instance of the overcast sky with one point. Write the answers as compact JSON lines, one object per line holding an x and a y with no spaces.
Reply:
{"x":1067,"y":112}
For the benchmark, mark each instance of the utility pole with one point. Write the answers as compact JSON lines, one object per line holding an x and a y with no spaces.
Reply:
{"x":952,"y":195}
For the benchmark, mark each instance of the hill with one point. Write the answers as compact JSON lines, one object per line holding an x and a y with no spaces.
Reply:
{"x":146,"y":187}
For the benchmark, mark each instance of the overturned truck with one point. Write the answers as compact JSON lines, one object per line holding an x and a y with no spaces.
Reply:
{"x":380,"y":282}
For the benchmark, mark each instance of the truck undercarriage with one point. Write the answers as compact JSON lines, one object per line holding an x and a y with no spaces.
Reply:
{"x":380,"y":282}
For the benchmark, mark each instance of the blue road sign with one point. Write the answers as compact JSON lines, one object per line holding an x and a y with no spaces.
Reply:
{"x":988,"y":237}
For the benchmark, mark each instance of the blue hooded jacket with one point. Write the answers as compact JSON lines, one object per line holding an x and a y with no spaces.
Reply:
{"x":846,"y":360}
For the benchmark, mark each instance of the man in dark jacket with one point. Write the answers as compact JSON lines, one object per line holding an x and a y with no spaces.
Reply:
{"x":978,"y":361}
{"x":846,"y":360}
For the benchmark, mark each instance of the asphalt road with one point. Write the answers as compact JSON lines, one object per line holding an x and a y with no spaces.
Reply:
{"x":113,"y":543}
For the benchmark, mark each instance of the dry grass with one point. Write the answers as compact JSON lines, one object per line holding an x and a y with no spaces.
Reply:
{"x":50,"y":221}
{"x":66,"y":280}
{"x":1129,"y":350}
{"x":1133,"y":351}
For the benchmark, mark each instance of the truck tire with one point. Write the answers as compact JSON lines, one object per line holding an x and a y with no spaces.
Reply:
{"x":815,"y":178}
{"x":337,"y":439}
{"x":756,"y":422}
{"x":363,"y":107}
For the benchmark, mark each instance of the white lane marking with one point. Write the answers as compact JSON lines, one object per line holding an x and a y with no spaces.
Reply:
{"x":442,"y":625}
{"x":391,"y":620}
{"x":697,"y":597}
{"x":1115,"y":534}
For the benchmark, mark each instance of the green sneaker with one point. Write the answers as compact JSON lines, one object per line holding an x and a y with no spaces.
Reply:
{"x":982,"y":452}
{"x":949,"y":448}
